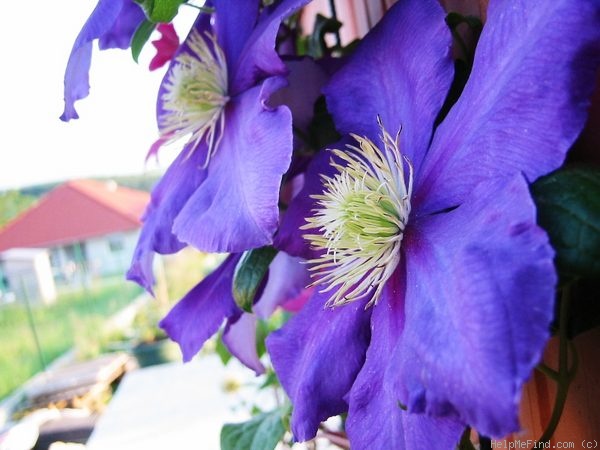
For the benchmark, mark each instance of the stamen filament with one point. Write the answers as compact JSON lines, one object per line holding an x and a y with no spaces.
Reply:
{"x":360,"y":220}
{"x":196,"y":94}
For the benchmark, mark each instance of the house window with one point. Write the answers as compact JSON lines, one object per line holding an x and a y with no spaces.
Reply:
{"x":115,"y":244}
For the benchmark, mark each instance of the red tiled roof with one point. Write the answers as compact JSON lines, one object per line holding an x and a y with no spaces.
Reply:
{"x":75,"y":211}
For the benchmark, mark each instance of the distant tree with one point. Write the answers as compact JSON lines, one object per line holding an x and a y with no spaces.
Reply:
{"x":12,"y":203}
{"x":39,"y":190}
{"x":144,"y":182}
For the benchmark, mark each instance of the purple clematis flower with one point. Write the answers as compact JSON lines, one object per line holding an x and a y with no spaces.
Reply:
{"x":221,"y":193}
{"x":113,"y":23}
{"x":425,"y":240}
{"x":203,"y":310}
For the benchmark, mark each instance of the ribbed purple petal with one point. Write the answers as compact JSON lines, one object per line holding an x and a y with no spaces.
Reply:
{"x":317,"y":355}
{"x":288,"y":276}
{"x":123,"y":29}
{"x":236,"y":207}
{"x":479,"y":302}
{"x":234,"y":24}
{"x":171,"y":193}
{"x":201,"y":312}
{"x":375,"y":418}
{"x":401,"y":71}
{"x":240,"y":339}
{"x":77,"y":85}
{"x":258,"y":58}
{"x":525,"y":102}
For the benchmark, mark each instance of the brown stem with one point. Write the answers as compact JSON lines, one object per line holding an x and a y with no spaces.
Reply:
{"x":565,"y":374}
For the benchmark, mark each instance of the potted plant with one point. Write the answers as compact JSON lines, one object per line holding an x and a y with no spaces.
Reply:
{"x":151,"y":346}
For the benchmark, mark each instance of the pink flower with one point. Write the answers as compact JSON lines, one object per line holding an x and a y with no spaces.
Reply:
{"x":166,"y":46}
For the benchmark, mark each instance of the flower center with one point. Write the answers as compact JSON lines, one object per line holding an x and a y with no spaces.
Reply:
{"x":196,"y":94}
{"x":360,"y":218}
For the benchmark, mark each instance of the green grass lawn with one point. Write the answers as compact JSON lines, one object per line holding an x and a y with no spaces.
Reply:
{"x":57,"y":327}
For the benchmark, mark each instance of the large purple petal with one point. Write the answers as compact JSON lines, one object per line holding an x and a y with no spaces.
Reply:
{"x":168,"y":197}
{"x":77,"y":85}
{"x":525,"y":102}
{"x":401,"y":71}
{"x":375,"y":418}
{"x":123,"y":29}
{"x":240,"y":339}
{"x":201,"y":312}
{"x":236,"y":208}
{"x":317,"y":355}
{"x":234,"y":24}
{"x":479,"y":302}
{"x":288,"y":276}
{"x":258,"y":59}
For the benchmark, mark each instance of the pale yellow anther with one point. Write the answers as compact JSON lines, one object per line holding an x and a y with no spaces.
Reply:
{"x":196,"y":94}
{"x":360,"y":220}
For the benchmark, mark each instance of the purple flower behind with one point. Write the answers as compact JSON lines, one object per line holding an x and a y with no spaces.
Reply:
{"x":202,"y":311}
{"x":441,"y":235}
{"x":221,"y":193}
{"x":113,"y":23}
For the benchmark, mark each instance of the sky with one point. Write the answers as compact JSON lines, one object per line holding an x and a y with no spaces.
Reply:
{"x":117,"y":121}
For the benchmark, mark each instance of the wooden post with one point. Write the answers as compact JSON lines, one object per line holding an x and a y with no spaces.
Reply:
{"x":36,"y":339}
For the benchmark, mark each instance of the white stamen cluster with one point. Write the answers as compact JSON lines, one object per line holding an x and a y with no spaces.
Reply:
{"x":361,"y":217}
{"x":196,"y":94}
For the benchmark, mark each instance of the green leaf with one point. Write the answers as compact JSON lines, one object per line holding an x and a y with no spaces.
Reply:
{"x":249,"y":273}
{"x":278,"y":319}
{"x":160,"y":10}
{"x":317,"y":47}
{"x":262,"y":331}
{"x":262,"y":432}
{"x":270,"y":380}
{"x":140,"y":37}
{"x":568,"y":204}
{"x":221,"y":350}
{"x":13,"y":203}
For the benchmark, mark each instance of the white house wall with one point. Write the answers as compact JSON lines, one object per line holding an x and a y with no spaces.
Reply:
{"x":110,"y":254}
{"x":28,"y":274}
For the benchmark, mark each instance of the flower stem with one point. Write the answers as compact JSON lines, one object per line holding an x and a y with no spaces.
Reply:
{"x":550,"y":373}
{"x":574,"y":360}
{"x":565,"y":373}
{"x":338,"y":38}
{"x":202,"y":9}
